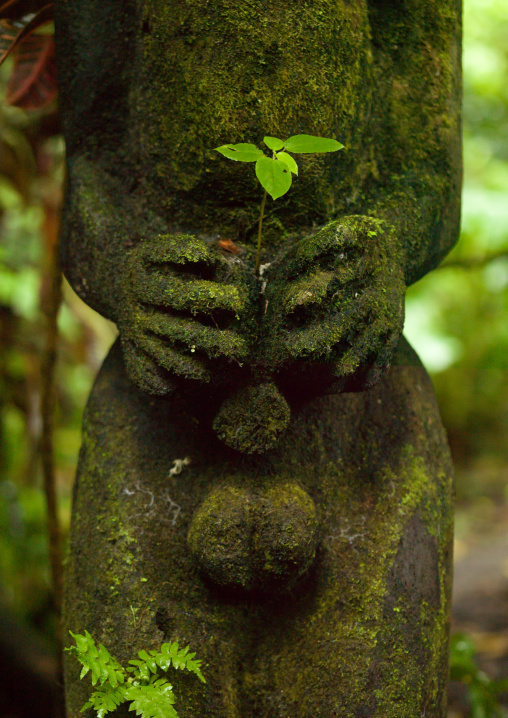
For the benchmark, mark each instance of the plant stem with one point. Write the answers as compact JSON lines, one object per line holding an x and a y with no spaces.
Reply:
{"x":50,"y":307}
{"x":260,"y":227}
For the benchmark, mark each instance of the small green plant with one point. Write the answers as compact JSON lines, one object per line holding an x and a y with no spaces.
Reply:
{"x":482,"y":691}
{"x":275,"y":173}
{"x":151,"y":696}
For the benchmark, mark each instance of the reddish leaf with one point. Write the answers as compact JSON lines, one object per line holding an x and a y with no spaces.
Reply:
{"x":32,"y":84}
{"x":13,"y":31}
{"x":229,"y":246}
{"x":15,"y":9}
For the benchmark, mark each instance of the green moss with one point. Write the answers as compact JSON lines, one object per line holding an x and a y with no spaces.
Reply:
{"x":343,"y":282}
{"x":257,"y":540}
{"x":363,"y":475}
{"x":253,"y":419}
{"x":230,"y":83}
{"x":378,"y":636}
{"x":351,"y":629}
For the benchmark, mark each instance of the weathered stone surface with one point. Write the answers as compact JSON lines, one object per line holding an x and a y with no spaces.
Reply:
{"x":361,"y":632}
{"x":148,"y":198}
{"x":313,"y":577}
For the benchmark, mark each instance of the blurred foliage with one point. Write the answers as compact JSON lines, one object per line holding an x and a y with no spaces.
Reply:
{"x":456,"y":320}
{"x":482,"y":692}
{"x":457,"y":315}
{"x":31,"y":177}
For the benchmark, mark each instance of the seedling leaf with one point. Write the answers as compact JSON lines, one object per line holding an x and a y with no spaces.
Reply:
{"x":289,"y":161}
{"x":274,"y":176}
{"x":273,"y":143}
{"x":242,"y":152}
{"x":308,"y":143}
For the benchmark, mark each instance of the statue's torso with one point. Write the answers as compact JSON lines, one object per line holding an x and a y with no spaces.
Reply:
{"x":231,"y":72}
{"x":180,"y":78}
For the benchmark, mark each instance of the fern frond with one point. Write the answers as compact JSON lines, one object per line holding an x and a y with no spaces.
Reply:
{"x":150,"y":696}
{"x":105,"y":699}
{"x":152,"y":700}
{"x":140,"y":670}
{"x":171,"y":655}
{"x":97,"y":660}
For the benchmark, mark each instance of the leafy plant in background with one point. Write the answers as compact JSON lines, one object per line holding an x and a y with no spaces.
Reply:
{"x":275,"y":173}
{"x":26,"y":35}
{"x":482,"y":691}
{"x":151,"y":696}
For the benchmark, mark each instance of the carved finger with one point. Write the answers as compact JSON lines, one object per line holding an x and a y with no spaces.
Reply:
{"x":336,"y":331}
{"x":171,"y":360}
{"x":175,"y":248}
{"x":329,"y":249}
{"x":315,"y":341}
{"x":192,"y":336}
{"x":189,"y":255}
{"x":144,"y":372}
{"x":375,"y":345}
{"x":192,"y":296}
{"x":308,"y":292}
{"x":375,"y":371}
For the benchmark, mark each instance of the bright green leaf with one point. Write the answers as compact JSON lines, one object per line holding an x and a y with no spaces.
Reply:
{"x":242,"y":152}
{"x":149,"y":660}
{"x":310,"y":144}
{"x":273,"y":143}
{"x":111,"y":676}
{"x":289,"y":161}
{"x":274,"y":176}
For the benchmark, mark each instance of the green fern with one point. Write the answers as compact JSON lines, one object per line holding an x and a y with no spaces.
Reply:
{"x":150,"y":695}
{"x":105,"y":699}
{"x":152,"y":700}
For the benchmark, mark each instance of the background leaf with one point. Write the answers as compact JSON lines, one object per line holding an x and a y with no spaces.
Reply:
{"x":242,"y":152}
{"x":308,"y":143}
{"x":274,"y":176}
{"x":13,"y":32}
{"x":33,"y":84}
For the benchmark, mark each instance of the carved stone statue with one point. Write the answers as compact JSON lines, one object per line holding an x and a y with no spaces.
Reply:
{"x":264,"y":475}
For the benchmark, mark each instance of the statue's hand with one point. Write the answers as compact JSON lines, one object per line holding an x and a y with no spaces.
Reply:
{"x":182,"y":305}
{"x":337,"y":298}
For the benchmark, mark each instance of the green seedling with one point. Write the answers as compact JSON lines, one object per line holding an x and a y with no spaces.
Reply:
{"x":275,"y":173}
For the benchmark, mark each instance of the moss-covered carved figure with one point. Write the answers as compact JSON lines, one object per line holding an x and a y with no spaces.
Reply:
{"x":303,"y":548}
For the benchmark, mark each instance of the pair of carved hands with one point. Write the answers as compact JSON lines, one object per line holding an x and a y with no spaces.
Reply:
{"x":335,"y":298}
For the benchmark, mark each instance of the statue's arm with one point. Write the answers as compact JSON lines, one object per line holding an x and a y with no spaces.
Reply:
{"x":95,"y":53}
{"x":415,"y":127}
{"x":337,"y":298}
{"x":177,"y":300}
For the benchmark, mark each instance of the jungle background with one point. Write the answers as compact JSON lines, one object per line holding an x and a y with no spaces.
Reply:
{"x":456,"y":318}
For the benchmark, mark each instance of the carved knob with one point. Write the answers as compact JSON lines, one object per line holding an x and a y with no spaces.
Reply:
{"x":253,"y":419}
{"x":254,"y":540}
